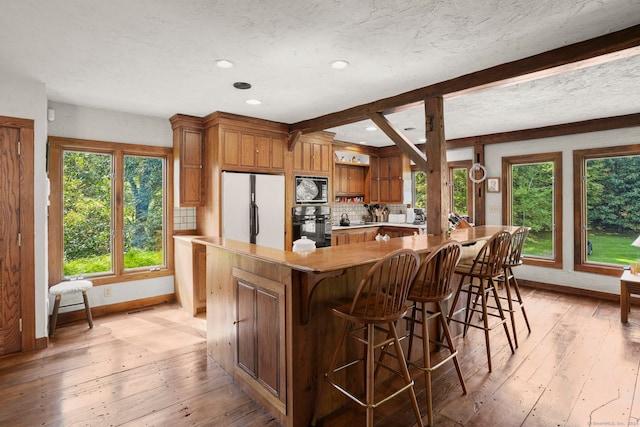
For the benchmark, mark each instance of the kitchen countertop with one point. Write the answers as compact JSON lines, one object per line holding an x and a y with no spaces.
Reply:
{"x":377,"y":224}
{"x":332,"y":258}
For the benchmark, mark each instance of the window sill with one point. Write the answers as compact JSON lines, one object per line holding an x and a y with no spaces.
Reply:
{"x":129,"y":277}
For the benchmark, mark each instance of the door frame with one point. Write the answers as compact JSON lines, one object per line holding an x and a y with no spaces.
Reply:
{"x":27,"y":257}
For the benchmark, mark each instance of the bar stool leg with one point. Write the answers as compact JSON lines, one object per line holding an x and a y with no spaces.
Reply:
{"x":452,"y":348}
{"x":369,"y":381}
{"x":405,"y":373}
{"x":87,"y":309}
{"x":485,"y":320}
{"x":427,"y":364}
{"x":332,"y":367}
{"x":54,"y":315}
{"x":512,"y":314}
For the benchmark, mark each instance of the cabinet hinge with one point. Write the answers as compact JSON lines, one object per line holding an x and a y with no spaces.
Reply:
{"x":20,"y":324}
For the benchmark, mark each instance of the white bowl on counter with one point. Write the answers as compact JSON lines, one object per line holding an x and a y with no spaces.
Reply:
{"x":304,"y":244}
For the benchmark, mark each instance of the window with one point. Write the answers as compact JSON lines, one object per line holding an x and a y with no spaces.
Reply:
{"x":109,"y":218}
{"x":607,"y":202}
{"x":419,"y":179}
{"x":461,"y":199}
{"x":461,"y":188}
{"x":532,"y":197}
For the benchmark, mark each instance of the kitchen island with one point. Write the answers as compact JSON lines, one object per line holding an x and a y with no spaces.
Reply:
{"x":266,"y":322}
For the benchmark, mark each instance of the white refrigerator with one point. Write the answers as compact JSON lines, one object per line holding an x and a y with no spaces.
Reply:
{"x":253,"y":208}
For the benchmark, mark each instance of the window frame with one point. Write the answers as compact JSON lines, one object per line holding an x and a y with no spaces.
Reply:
{"x":507,"y":208}
{"x":462,"y":164}
{"x":118,"y":151}
{"x":580,"y":158}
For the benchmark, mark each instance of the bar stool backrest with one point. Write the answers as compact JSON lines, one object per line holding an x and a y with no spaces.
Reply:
{"x":514,"y":251}
{"x":488,"y":262}
{"x":433,"y":281}
{"x":382,"y":293}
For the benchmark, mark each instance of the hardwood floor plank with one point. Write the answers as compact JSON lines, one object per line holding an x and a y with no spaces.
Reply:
{"x":610,"y":376}
{"x":578,"y":365}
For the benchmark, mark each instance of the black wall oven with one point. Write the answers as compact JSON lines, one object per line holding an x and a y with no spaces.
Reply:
{"x":313,"y":222}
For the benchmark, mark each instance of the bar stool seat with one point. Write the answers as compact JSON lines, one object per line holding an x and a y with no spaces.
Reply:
{"x":432,"y":285}
{"x":66,"y":288}
{"x":484,"y":269}
{"x":380,"y":301}
{"x":512,"y":259}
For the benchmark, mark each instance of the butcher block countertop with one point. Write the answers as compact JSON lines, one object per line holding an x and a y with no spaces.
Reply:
{"x":322,"y":260}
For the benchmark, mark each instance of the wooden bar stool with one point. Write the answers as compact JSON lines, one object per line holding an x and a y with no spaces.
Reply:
{"x":65,"y":288}
{"x":484,"y":268}
{"x":512,"y":259}
{"x":379,"y":302}
{"x":433,"y":285}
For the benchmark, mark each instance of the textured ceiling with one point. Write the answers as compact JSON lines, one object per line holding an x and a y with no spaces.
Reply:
{"x":156,"y":57}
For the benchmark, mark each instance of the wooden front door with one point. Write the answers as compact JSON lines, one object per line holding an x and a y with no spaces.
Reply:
{"x":10,"y":292}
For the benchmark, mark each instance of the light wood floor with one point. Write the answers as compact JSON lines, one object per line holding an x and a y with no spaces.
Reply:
{"x":578,"y":367}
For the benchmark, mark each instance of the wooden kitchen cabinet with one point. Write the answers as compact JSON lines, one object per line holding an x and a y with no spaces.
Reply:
{"x":387,"y":179}
{"x":312,"y":154}
{"x":260,"y":332}
{"x":250,"y":151}
{"x":349,"y":179}
{"x":397,"y":231}
{"x":356,"y":235}
{"x":188,"y":154}
{"x":190,"y":275}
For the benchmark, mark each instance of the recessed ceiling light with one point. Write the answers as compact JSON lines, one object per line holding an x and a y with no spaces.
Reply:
{"x":242,"y":85}
{"x":371,"y":128}
{"x":339,"y":64}
{"x":363,"y":142}
{"x":224,"y":63}
{"x":253,"y":101}
{"x":423,"y":140}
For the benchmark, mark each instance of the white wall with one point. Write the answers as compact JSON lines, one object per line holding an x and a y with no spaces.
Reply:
{"x":23,"y":98}
{"x":74,"y":121}
{"x":26,"y":99}
{"x":566,"y":144}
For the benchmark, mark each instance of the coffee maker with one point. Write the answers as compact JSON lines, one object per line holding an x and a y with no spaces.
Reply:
{"x":419,"y":217}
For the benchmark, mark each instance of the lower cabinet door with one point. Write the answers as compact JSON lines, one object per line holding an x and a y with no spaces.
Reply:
{"x":260,"y":332}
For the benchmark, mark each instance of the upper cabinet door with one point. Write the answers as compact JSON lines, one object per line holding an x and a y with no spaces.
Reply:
{"x":312,"y":155}
{"x":188,"y":150}
{"x":251,"y":151}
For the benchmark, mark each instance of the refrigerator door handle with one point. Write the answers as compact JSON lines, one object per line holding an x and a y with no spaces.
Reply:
{"x":257,"y":220}
{"x":254,"y":228}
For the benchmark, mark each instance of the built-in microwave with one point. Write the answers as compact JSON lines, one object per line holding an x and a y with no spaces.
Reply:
{"x":312,"y":189}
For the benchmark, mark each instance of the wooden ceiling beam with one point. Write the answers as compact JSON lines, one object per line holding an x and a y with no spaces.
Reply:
{"x":609,"y":47}
{"x":586,"y":126}
{"x":403,"y":143}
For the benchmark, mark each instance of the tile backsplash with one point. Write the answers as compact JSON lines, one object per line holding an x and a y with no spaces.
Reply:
{"x":184,"y":218}
{"x":357,"y":210}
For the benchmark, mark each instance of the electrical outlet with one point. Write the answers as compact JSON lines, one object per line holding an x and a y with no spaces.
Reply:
{"x":107,"y":291}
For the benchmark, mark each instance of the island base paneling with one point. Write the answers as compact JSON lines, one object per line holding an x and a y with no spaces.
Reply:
{"x":298,"y":287}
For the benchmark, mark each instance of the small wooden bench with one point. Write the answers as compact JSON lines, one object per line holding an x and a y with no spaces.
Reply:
{"x":70,"y":287}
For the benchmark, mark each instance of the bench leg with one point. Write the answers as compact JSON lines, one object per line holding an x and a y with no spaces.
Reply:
{"x":54,"y":316}
{"x":87,"y":309}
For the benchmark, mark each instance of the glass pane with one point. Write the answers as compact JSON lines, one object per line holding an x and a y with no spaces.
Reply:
{"x":143,"y":212}
{"x":532,"y":206}
{"x":613,"y":215}
{"x":87,"y":226}
{"x":460,"y":204}
{"x":419,"y":190}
